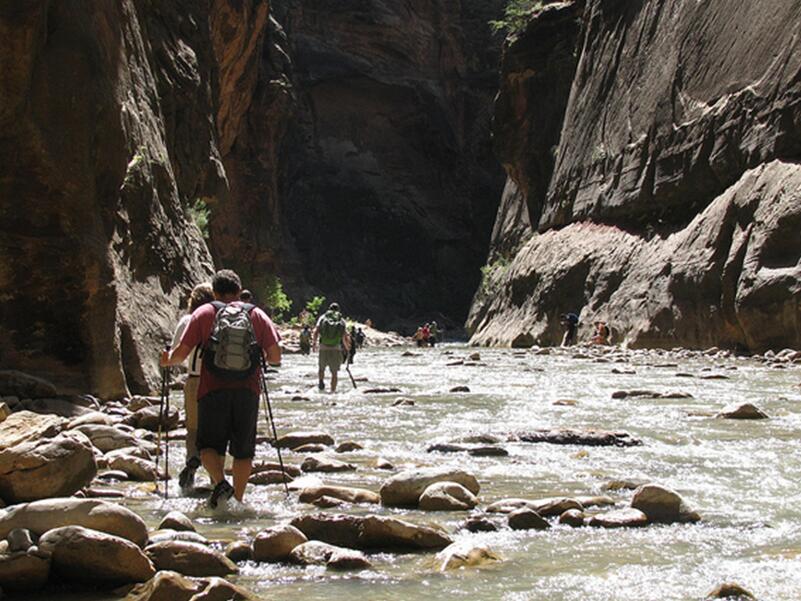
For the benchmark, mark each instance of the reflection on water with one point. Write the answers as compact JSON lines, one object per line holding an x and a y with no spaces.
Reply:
{"x":742,"y":476}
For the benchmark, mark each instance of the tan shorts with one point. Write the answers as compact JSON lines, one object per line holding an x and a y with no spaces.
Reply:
{"x":330,"y":358}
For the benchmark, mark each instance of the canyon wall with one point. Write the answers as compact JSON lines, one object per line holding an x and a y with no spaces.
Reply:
{"x":108,"y":131}
{"x":651,"y":149}
{"x":389,"y":185}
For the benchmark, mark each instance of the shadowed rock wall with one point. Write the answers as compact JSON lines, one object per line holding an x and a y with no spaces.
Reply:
{"x":666,"y":200}
{"x":389,"y":187}
{"x":107,"y":132}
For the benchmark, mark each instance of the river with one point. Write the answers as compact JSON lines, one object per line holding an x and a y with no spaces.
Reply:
{"x":741,"y":476}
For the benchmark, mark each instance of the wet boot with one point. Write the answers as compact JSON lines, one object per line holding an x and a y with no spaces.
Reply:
{"x":186,"y":479}
{"x":222,"y":492}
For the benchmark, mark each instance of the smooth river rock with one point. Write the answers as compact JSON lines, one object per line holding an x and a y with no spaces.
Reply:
{"x":190,"y":559}
{"x":587,"y":438}
{"x":46,"y":467}
{"x":447,"y":496}
{"x":370,"y":532}
{"x":276,"y":543}
{"x":548,"y":506}
{"x":405,"y":488}
{"x":319,"y":553}
{"x":175,"y":520}
{"x":465,"y":554}
{"x":742,"y":411}
{"x":620,"y":518}
{"x":95,"y":514}
{"x":135,"y":468}
{"x":662,"y":505}
{"x":22,"y":571}
{"x":325,"y":465}
{"x":527,"y":519}
{"x":86,"y":555}
{"x":293,"y":440}
{"x":24,"y":426}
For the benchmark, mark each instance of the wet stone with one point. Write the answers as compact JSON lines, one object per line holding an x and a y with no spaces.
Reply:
{"x":527,"y":519}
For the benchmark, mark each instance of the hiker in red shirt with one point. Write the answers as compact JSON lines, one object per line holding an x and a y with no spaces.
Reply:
{"x":233,"y":335}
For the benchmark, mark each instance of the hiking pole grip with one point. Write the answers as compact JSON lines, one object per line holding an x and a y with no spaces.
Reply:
{"x":271,"y":422}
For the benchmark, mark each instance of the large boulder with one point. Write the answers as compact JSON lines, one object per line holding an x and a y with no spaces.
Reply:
{"x":465,"y":554}
{"x":315,"y":552}
{"x":41,"y":516}
{"x":276,"y":543}
{"x":405,"y":488}
{"x":148,"y":418}
{"x":86,"y":555}
{"x":47,"y":467}
{"x":343,"y":493}
{"x":447,"y":496}
{"x":171,"y":586}
{"x":293,"y":440}
{"x":24,"y":571}
{"x":19,"y":384}
{"x":190,"y":559}
{"x":742,"y":411}
{"x":370,"y":532}
{"x":23,"y":426}
{"x":662,"y":505}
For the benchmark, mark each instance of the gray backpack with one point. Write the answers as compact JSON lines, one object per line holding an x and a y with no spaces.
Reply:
{"x":232,"y":352}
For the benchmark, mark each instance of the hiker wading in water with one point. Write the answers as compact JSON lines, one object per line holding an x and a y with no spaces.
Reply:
{"x":201,"y":295}
{"x":331,"y":333}
{"x":233,"y":336}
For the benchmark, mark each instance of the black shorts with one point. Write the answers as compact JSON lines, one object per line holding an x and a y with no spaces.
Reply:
{"x":228,"y":416}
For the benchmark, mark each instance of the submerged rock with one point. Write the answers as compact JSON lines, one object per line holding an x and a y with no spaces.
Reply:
{"x":319,"y":553}
{"x":238,"y":551}
{"x":344,"y":493}
{"x":293,"y":440}
{"x":662,"y":505}
{"x":477,"y":523}
{"x":465,"y":555}
{"x":370,"y":532}
{"x":527,"y":519}
{"x":276,"y":543}
{"x":447,"y":496}
{"x":405,"y":488}
{"x":549,"y":506}
{"x":313,"y":464}
{"x":190,"y":559}
{"x":48,"y":514}
{"x":742,"y":411}
{"x":85,"y":555}
{"x":590,"y":438}
{"x":621,"y":518}
{"x":171,"y":586}
{"x":572,"y":517}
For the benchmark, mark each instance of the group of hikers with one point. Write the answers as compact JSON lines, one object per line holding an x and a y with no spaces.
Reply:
{"x":427,"y":334}
{"x":227,"y":343}
{"x":570,"y":321}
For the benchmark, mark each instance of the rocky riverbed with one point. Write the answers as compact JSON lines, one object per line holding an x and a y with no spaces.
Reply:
{"x":555,"y":474}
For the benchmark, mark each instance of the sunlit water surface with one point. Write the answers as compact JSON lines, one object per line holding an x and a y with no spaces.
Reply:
{"x":742,"y":476}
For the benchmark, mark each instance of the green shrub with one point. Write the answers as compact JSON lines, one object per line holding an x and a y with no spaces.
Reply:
{"x":314,"y":305}
{"x":275,"y":297}
{"x":491,"y":276}
{"x":199,"y":213}
{"x":516,"y":16}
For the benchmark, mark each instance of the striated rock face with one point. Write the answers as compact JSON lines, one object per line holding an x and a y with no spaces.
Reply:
{"x":389,"y":186}
{"x":106,"y":134}
{"x":661,"y":193}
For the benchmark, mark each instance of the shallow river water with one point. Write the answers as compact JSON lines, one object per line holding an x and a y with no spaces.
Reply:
{"x":743,"y":477}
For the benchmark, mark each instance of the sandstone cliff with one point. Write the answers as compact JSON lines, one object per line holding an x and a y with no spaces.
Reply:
{"x":108,"y":131}
{"x":389,"y":185}
{"x":651,"y":149}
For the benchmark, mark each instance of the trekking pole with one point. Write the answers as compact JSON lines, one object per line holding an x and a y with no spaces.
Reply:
{"x":165,"y":418}
{"x":162,"y":398}
{"x":352,"y":379}
{"x":268,"y":417}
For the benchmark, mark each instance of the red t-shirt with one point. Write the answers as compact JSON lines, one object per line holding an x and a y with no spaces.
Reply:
{"x":198,"y":332}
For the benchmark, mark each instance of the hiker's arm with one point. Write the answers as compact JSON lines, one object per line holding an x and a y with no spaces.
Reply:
{"x":273,"y":355}
{"x":315,"y":335}
{"x":177,"y":355}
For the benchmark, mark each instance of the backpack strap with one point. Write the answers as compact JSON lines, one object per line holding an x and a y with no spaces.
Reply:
{"x":218,"y":305}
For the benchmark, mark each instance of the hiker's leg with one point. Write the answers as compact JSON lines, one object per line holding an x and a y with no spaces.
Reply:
{"x":190,"y":408}
{"x":242,"y":469}
{"x":245,"y":413}
{"x":334,"y":378}
{"x":214,"y":463}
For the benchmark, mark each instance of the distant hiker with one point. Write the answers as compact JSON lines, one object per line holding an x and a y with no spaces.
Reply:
{"x":233,"y":335}
{"x":571,"y":323}
{"x":305,"y":340}
{"x":433,"y":336}
{"x":368,"y":323}
{"x":426,"y":335}
{"x":351,"y":352}
{"x":360,"y":338}
{"x":418,"y":337}
{"x":246,"y":296}
{"x":331,"y":333}
{"x":602,"y":333}
{"x":200,"y":295}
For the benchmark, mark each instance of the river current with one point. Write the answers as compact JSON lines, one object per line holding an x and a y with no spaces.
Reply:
{"x":743,"y":477}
